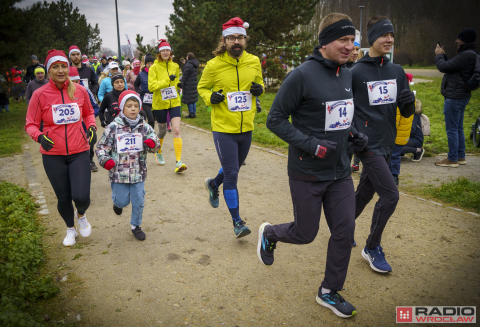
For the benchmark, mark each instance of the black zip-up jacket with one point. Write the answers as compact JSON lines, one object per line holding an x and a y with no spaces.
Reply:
{"x":111,"y":106}
{"x":303,"y":96}
{"x":457,"y":70}
{"x":87,"y":72}
{"x":378,"y":122}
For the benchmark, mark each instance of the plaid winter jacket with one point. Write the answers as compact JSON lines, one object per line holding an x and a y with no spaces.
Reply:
{"x":130,"y":167}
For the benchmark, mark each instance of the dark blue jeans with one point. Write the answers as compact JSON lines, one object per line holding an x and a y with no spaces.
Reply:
{"x":454,"y":110}
{"x":192,"y":108}
{"x":395,"y":159}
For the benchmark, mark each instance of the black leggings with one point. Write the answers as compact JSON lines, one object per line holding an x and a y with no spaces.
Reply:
{"x":161,"y":115}
{"x":70,"y":178}
{"x":147,"y":107}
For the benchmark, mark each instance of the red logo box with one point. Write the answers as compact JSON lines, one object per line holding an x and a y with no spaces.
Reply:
{"x":404,"y":314}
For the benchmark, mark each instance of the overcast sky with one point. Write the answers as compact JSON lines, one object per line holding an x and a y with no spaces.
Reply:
{"x":135,"y":17}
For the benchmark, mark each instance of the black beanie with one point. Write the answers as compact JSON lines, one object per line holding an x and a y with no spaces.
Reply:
{"x":468,"y":35}
{"x":115,"y":77}
{"x":148,"y":58}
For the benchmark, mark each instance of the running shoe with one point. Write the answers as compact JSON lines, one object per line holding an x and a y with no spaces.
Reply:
{"x":354,"y":244}
{"x":85,"y":228}
{"x":69,"y":240}
{"x":159,"y":159}
{"x":417,"y":156}
{"x":93,"y":167}
{"x":139,"y":234}
{"x":376,"y":258}
{"x":355,"y":168}
{"x":336,"y":303}
{"x":240,"y":229}
{"x":117,"y":210}
{"x":180,"y":167}
{"x":395,"y":179}
{"x":265,"y":247}
{"x":212,"y":194}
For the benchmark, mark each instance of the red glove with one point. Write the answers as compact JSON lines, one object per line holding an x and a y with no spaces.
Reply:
{"x":149,"y":143}
{"x":109,"y":164}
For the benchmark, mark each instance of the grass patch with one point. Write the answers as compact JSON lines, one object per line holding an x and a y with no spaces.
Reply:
{"x":432,"y":105}
{"x":462,"y":193}
{"x":12,"y":128}
{"x":419,"y":66}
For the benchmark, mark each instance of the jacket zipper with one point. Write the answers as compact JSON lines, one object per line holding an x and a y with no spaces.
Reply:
{"x":238,"y":87}
{"x":66,"y":142}
{"x":169,"y":84}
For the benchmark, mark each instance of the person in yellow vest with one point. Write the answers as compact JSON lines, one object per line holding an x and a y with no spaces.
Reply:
{"x":164,"y":82}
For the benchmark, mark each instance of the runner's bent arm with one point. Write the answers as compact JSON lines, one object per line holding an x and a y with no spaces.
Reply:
{"x":137,"y":84}
{"x":34,"y":117}
{"x":154,"y":84}
{"x":104,"y":105}
{"x":105,"y":145}
{"x":453,"y":65}
{"x":289,"y":97}
{"x":101,"y":91}
{"x":406,"y":110}
{"x":205,"y":86}
{"x":150,"y":134}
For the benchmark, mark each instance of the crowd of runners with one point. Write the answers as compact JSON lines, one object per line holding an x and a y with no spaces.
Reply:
{"x":328,"y":109}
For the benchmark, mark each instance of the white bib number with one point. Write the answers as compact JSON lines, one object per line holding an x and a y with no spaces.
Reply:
{"x":85,"y":83}
{"x":339,"y":115}
{"x":148,"y":98}
{"x":239,"y":101}
{"x":382,"y":92}
{"x":169,"y":93}
{"x":65,"y":113}
{"x":129,"y":142}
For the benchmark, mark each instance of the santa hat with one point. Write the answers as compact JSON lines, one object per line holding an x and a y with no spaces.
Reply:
{"x":84,"y":56}
{"x":73,"y":73}
{"x":136,"y":63}
{"x":125,"y":95}
{"x":163,"y":44}
{"x":73,"y":48}
{"x":54,"y":56}
{"x":95,"y":58}
{"x":235,"y":26}
{"x":409,"y":78}
{"x":85,"y":61}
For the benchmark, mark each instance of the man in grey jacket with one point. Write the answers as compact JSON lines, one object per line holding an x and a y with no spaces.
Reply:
{"x":457,"y":71}
{"x":36,"y":83}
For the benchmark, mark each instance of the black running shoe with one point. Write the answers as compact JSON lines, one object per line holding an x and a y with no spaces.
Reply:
{"x":336,"y":303}
{"x":117,"y":210}
{"x":240,"y":229}
{"x":138,"y":233}
{"x":265,"y":247}
{"x":93,"y":167}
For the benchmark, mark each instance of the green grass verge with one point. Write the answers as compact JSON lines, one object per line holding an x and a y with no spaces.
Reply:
{"x":12,"y":128}
{"x":462,"y":193}
{"x":419,"y":66}
{"x":22,"y":286}
{"x":432,"y":106}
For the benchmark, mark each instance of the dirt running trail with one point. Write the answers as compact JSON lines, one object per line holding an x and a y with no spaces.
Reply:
{"x":191,"y":271}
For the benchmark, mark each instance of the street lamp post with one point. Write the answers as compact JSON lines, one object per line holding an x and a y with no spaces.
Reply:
{"x":118,"y":33}
{"x":361,"y":12}
{"x":157,"y":30}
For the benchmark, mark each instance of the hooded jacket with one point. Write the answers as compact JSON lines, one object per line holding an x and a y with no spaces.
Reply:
{"x":87,"y":73}
{"x":231,"y":75}
{"x":457,"y":70}
{"x":190,"y":81}
{"x":32,"y":86}
{"x":111,"y":106}
{"x":404,"y":125}
{"x":141,"y":84}
{"x":158,"y":79}
{"x":378,"y":122}
{"x":303,"y":96}
{"x":68,"y":138}
{"x":129,"y":167}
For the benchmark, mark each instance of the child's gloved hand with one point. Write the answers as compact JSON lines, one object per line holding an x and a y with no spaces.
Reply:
{"x":149,"y":143}
{"x":109,"y":164}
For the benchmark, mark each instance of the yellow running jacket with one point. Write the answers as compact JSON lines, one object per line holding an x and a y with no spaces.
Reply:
{"x":158,"y":79}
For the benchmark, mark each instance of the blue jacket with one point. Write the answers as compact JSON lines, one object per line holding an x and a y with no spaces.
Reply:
{"x":142,"y":81}
{"x":416,"y":134}
{"x":106,"y":87}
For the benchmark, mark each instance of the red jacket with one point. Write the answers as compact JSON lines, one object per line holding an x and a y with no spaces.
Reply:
{"x":68,"y":138}
{"x":14,"y":76}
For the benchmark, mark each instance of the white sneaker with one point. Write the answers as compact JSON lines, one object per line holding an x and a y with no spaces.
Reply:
{"x":70,"y":238}
{"x":85,"y":228}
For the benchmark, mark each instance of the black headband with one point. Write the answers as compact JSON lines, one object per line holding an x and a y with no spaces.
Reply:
{"x":336,"y":30}
{"x":378,"y":29}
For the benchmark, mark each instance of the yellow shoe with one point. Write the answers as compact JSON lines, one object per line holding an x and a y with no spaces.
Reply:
{"x":180,"y":167}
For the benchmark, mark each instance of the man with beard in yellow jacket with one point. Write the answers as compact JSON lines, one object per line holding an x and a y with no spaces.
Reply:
{"x":236,"y":79}
{"x":164,"y":82}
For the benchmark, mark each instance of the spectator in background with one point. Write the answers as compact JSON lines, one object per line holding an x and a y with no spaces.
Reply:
{"x":457,"y":95}
{"x":14,"y":76}
{"x":36,"y":83}
{"x":189,"y":80}
{"x":30,"y":74}
{"x":102,"y":66}
{"x":352,"y":60}
{"x":4,"y":102}
{"x":415,"y":143}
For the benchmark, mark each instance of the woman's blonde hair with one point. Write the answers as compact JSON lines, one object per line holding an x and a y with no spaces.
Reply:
{"x":103,"y":74}
{"x":71,"y":88}
{"x":125,"y":71}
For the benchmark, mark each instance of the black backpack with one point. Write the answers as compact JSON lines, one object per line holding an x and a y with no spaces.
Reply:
{"x":474,"y":82}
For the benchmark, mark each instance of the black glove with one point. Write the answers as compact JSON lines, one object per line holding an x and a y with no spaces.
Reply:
{"x":259,"y":109}
{"x":180,"y":85}
{"x":359,"y":141}
{"x":325,"y":148}
{"x":172,"y":77}
{"x":406,"y":96}
{"x":143,"y":114}
{"x":217,"y":97}
{"x":256,"y":89}
{"x":103,"y":124}
{"x":92,"y":135}
{"x":45,"y":142}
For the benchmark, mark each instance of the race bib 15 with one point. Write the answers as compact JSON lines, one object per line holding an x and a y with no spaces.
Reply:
{"x":382,"y":92}
{"x":65,"y":113}
{"x":339,"y":115}
{"x":169,"y":93}
{"x":239,"y":101}
{"x":148,"y":98}
{"x":129,"y":142}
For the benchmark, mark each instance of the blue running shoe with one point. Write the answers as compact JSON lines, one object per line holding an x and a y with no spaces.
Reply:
{"x":240,"y":229}
{"x":265,"y":247}
{"x":354,"y":244}
{"x":376,"y":257}
{"x":212,"y":194}
{"x":336,"y":303}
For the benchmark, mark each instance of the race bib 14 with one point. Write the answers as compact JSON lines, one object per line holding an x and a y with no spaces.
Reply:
{"x":65,"y":113}
{"x":382,"y":92}
{"x":339,"y":115}
{"x":129,"y":142}
{"x":169,"y":93}
{"x":239,"y":101}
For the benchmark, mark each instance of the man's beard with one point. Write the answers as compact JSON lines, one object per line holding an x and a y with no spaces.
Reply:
{"x":77,"y":63}
{"x":235,"y":52}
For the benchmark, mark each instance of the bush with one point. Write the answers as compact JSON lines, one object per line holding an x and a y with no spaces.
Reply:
{"x":21,"y":256}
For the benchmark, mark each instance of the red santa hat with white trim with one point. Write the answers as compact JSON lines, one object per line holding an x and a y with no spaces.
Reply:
{"x":73,"y":73}
{"x":84,"y":56}
{"x":54,"y":56}
{"x":163,"y":44}
{"x":72,"y":49}
{"x":235,"y":26}
{"x":125,"y":95}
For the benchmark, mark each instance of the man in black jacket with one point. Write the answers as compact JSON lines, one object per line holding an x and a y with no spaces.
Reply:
{"x":87,"y":75}
{"x":379,"y":87}
{"x":457,"y":71}
{"x":30,"y":74}
{"x":103,"y":65}
{"x":318,"y":97}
